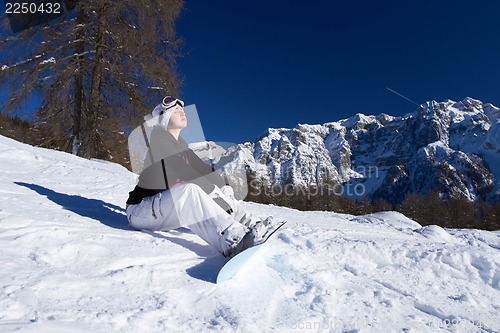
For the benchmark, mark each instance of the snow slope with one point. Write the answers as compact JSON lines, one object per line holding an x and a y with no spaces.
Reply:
{"x":70,"y":263}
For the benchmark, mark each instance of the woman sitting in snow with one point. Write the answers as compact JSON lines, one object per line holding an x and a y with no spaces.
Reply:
{"x":180,"y":190}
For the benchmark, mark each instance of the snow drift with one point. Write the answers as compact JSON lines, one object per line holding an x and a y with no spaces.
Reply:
{"x":71,"y":263}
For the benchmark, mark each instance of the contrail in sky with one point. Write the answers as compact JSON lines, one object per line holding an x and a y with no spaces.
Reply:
{"x":401,"y":96}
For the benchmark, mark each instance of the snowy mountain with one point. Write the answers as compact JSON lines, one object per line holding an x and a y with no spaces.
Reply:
{"x":70,"y":263}
{"x":452,"y":147}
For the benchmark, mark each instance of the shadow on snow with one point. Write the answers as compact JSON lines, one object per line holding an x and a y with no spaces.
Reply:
{"x":213,"y":261}
{"x":111,"y":215}
{"x":115,"y":217}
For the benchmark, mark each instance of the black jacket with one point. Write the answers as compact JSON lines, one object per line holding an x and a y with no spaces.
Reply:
{"x":177,"y":163}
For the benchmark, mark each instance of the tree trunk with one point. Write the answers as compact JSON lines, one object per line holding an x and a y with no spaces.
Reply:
{"x":93,"y":145}
{"x":79,"y":88}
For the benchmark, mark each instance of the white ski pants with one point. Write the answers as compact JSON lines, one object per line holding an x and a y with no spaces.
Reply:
{"x":239,"y":213}
{"x":187,"y":205}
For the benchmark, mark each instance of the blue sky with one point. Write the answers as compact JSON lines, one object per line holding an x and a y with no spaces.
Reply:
{"x":259,"y":64}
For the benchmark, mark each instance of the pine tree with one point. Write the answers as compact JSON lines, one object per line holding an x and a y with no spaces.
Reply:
{"x":98,"y":70}
{"x":349,"y":205}
{"x":435,"y":209}
{"x":365,"y":206}
{"x":487,"y":216}
{"x":413,"y":206}
{"x":496,"y":217}
{"x":381,"y":206}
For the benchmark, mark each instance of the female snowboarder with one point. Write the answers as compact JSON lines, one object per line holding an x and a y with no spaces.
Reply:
{"x":180,"y":190}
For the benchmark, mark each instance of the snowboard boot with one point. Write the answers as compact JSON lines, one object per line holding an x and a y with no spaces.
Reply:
{"x":246,"y":242}
{"x":263,"y":229}
{"x":260,"y":228}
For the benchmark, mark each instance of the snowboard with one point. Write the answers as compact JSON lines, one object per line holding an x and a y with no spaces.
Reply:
{"x":232,"y":267}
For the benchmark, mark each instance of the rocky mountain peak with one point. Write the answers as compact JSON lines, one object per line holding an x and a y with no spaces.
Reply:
{"x":451,"y":147}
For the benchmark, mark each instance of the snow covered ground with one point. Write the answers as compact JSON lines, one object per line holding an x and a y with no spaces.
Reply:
{"x":70,"y":263}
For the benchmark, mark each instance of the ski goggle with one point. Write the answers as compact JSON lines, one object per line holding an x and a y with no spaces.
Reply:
{"x":169,"y":102}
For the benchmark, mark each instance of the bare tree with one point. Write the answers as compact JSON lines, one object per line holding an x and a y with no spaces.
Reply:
{"x":98,"y":69}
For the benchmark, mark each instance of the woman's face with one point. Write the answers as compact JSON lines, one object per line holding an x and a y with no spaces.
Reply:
{"x":177,"y":118}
